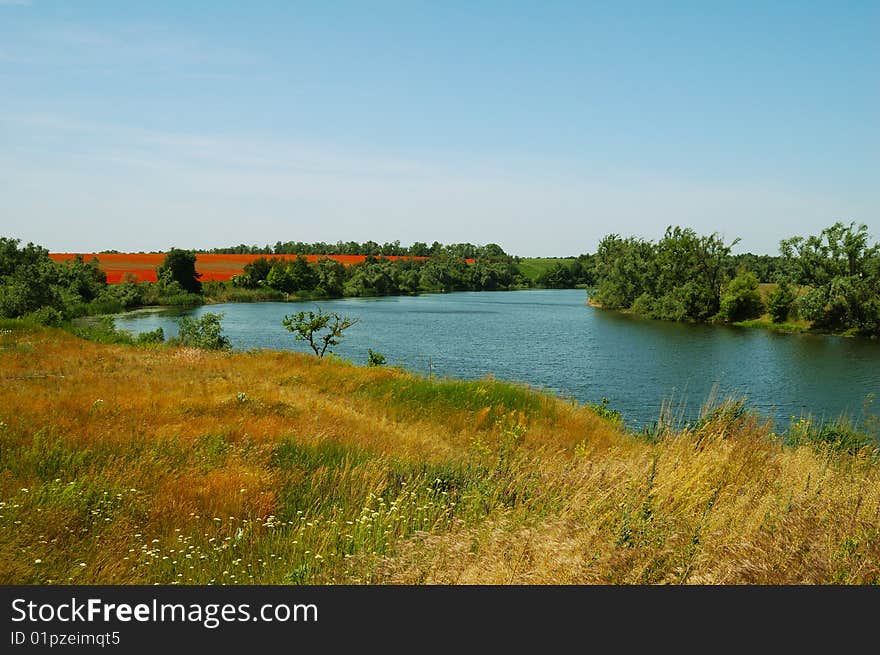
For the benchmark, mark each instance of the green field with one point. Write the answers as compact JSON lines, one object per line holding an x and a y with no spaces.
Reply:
{"x":532,"y":267}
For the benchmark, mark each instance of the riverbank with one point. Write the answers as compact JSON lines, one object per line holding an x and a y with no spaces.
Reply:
{"x":762,"y":323}
{"x":549,"y":339}
{"x":800,"y":327}
{"x":137,"y":465}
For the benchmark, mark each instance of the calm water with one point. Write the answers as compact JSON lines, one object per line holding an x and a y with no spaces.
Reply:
{"x":553,"y":340}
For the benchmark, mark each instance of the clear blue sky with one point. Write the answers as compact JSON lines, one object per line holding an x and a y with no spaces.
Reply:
{"x":539,"y":126}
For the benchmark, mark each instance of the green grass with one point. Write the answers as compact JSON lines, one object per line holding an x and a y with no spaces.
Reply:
{"x":532,"y":267}
{"x":425,"y":397}
{"x":766,"y":323}
{"x":220,"y":292}
{"x":173,"y":465}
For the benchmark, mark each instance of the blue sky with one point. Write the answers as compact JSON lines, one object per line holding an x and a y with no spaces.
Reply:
{"x":538,"y":126}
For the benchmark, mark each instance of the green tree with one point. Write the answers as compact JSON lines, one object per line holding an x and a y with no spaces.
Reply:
{"x":624,"y":268}
{"x":29,"y":280}
{"x":842,"y":272}
{"x":180,"y":267}
{"x":279,"y":277}
{"x":838,"y":251}
{"x":695,"y":265}
{"x":127,"y":293}
{"x":742,"y":299}
{"x":255,"y":273}
{"x":582,"y":271}
{"x":331,"y":277}
{"x":372,"y":277}
{"x":419,"y":249}
{"x":780,"y":301}
{"x":82,"y":281}
{"x":204,"y":332}
{"x":558,"y":276}
{"x":321,"y":330}
{"x":303,"y":275}
{"x":679,"y":278}
{"x":407,"y":276}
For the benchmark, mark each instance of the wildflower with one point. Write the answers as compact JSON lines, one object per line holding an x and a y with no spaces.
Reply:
{"x":38,"y":561}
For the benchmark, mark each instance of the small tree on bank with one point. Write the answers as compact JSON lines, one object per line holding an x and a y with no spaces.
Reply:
{"x":321,"y":330}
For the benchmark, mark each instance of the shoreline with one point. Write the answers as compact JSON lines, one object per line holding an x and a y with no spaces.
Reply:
{"x":297,"y":299}
{"x":762,"y":323}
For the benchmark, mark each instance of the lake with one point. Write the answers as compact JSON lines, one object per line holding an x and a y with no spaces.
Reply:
{"x":552,"y":340}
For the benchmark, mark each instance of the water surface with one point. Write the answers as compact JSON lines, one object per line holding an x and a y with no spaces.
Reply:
{"x":551,"y":339}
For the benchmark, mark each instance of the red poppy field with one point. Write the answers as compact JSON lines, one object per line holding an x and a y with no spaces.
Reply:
{"x":213,"y":267}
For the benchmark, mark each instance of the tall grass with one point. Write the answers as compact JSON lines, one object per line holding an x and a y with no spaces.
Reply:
{"x":181,"y":466}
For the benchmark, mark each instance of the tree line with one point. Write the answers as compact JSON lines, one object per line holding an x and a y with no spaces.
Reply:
{"x":831,"y":280}
{"x":32,"y":284}
{"x":379,"y":276}
{"x":490,"y":251}
{"x":50,"y":292}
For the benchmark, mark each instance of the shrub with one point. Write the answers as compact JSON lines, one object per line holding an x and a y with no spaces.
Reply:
{"x":644,"y":305}
{"x":127,"y":294}
{"x":671,"y":306}
{"x":605,"y":411}
{"x":46,"y":316}
{"x":96,"y":307}
{"x":780,"y":302}
{"x":155,"y":336}
{"x":102,"y":330}
{"x":204,"y":332}
{"x":839,"y":435}
{"x":741,"y":300}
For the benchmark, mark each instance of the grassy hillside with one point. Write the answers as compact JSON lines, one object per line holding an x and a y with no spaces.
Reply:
{"x":138,"y":465}
{"x":532,"y":267}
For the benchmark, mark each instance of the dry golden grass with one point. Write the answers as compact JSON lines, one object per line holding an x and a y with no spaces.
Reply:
{"x":139,"y":465}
